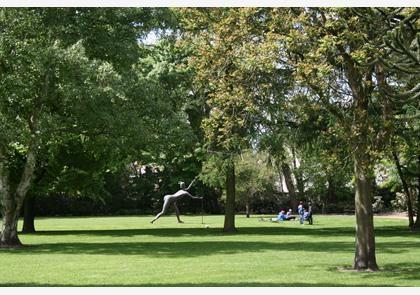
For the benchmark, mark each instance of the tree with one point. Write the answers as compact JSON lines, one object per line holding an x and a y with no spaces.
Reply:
{"x":110,"y":35}
{"x":338,"y":55}
{"x":254,"y":174}
{"x":326,"y":165}
{"x":55,"y":86}
{"x":234,"y":59}
{"x":335,"y":55}
{"x":401,"y":86}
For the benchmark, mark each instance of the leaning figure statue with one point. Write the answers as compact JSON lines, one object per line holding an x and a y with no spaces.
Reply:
{"x":172,"y":199}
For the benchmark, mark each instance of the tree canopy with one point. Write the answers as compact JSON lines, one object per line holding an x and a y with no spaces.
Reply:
{"x":307,"y":103}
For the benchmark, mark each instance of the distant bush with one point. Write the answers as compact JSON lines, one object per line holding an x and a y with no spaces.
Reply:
{"x":400,"y":202}
{"x":378,"y":204}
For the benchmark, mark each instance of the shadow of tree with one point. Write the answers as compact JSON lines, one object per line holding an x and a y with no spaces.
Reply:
{"x":180,"y":248}
{"x":406,"y":271}
{"x":201,"y":248}
{"x":240,"y":284}
{"x":198,"y":248}
{"x":208,"y":247}
{"x":389,"y":231}
{"x":323,"y":242}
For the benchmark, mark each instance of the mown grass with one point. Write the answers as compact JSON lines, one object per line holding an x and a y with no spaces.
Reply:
{"x":129,"y":251}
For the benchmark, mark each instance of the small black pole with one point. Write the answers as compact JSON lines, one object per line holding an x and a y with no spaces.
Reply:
{"x":202,"y":212}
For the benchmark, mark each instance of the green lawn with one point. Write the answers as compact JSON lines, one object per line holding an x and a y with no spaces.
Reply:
{"x":129,"y":251}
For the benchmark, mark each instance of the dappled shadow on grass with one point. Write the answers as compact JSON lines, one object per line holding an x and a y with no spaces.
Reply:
{"x":407,"y":271}
{"x":401,"y":271}
{"x":198,"y":248}
{"x":389,"y":231}
{"x":313,"y":241}
{"x":176,"y":249}
{"x":240,"y":284}
{"x":180,"y":248}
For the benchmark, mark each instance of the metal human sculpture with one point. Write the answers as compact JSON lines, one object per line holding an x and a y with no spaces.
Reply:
{"x":172,"y":199}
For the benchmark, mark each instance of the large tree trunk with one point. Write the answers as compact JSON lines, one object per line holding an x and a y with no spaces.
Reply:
{"x":416,"y":225}
{"x":289,"y":183}
{"x":12,"y":202}
{"x":298,"y":176}
{"x":361,"y":88}
{"x":9,"y":207}
{"x":365,"y":258}
{"x":247,"y":206}
{"x":406,"y":190}
{"x":29,"y":215}
{"x":331,"y":195}
{"x":9,"y":234}
{"x":229,"y":225}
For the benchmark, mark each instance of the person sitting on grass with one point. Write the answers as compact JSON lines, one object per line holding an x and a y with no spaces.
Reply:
{"x":172,"y":199}
{"x":282,"y":216}
{"x":289,"y":215}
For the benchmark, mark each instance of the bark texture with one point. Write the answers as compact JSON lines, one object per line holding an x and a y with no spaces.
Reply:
{"x":361,"y":86}
{"x":416,"y":225}
{"x":365,"y":257}
{"x":299,"y":178}
{"x":8,"y":233}
{"x":29,"y":215}
{"x":229,"y":225}
{"x":247,"y":208}
{"x":331,"y":194}
{"x":287,"y":173}
{"x":12,"y":201}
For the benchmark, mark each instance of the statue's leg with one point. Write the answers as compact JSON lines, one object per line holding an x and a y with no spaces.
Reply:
{"x":164,"y":209}
{"x":177,"y":213}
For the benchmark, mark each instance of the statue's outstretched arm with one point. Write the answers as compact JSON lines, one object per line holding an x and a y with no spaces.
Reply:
{"x":191,"y":184}
{"x":194,"y":197}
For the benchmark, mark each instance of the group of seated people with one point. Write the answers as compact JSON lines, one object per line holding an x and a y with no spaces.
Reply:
{"x":285,"y":216}
{"x":304,"y":211}
{"x":288,"y":216}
